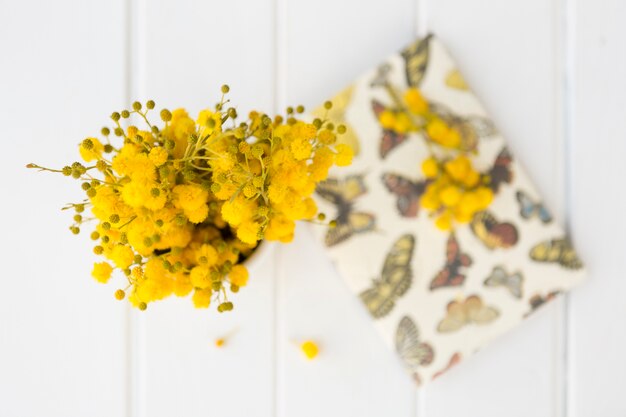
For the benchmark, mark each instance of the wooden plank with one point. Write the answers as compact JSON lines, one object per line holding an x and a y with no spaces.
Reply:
{"x":189,"y":49}
{"x":329,"y":44}
{"x":507,"y":51}
{"x":62,"y":334}
{"x":597,"y":337}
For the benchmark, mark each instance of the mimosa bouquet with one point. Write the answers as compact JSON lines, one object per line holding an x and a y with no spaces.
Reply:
{"x":177,"y":207}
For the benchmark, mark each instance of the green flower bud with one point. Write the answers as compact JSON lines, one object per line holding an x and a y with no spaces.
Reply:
{"x":87,"y":144}
{"x":166,"y":115}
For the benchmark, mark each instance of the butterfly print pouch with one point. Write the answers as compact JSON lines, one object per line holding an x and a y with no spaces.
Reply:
{"x":436,"y":296}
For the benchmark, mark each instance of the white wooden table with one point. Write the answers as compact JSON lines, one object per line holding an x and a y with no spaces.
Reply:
{"x":553,"y":75}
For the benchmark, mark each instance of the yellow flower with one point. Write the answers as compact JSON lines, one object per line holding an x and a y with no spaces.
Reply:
{"x":459,"y":167}
{"x":200,"y":277}
{"x":182,"y":285}
{"x":440,"y":132}
{"x":430,"y":167}
{"x":202,"y":298}
{"x":344,"y":155}
{"x":450,"y":195}
{"x":415,"y":101}
{"x":102,"y":272}
{"x":189,"y":197}
{"x":310,"y":349}
{"x":301,"y":149}
{"x":158,"y":156}
{"x":403,"y":123}
{"x":122,"y":256}
{"x":180,"y":128}
{"x":91,"y":149}
{"x":387,"y":119}
{"x":485,"y":197}
{"x":206,"y":255}
{"x":238,"y":276}
{"x":280,"y":228}
{"x":248,"y":232}
{"x":327,"y":137}
{"x":430,"y":199}
{"x":444,"y":221}
{"x":216,"y":119}
{"x":198,"y":215}
{"x":177,"y":226}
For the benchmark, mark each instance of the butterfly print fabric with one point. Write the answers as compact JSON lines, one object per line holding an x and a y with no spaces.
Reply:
{"x":436,"y":297}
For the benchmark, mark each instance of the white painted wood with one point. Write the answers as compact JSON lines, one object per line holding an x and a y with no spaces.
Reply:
{"x":597,"y":203}
{"x":506,"y":50}
{"x":62,"y":335}
{"x":189,"y":49}
{"x":355,"y":372}
{"x":329,"y":44}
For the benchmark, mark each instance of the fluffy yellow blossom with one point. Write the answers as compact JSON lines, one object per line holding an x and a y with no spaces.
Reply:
{"x":456,"y":194}
{"x":210,"y":121}
{"x":344,"y":155}
{"x":415,"y":101}
{"x":438,"y":131}
{"x":180,"y":206}
{"x":430,"y":167}
{"x":301,"y":149}
{"x":200,"y":276}
{"x":122,"y":256}
{"x":102,"y":272}
{"x":387,"y":119}
{"x":206,"y":255}
{"x":238,"y":276}
{"x":248,"y":232}
{"x":202,"y":298}
{"x":158,"y":156}
{"x":310,"y":349}
{"x":179,"y":130}
{"x":91,"y":149}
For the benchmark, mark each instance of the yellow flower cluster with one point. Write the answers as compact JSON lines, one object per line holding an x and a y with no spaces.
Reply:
{"x":413,"y":114}
{"x":180,"y":207}
{"x":455,"y":190}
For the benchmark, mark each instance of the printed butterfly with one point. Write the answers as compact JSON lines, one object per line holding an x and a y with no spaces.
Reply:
{"x":390,"y":138}
{"x":455,"y":80}
{"x":416,"y":60}
{"x":493,"y":233}
{"x":413,"y":352}
{"x":450,"y":275}
{"x":395,"y":280}
{"x":455,"y":359}
{"x":558,"y":251}
{"x":530,"y":208}
{"x":501,"y":170}
{"x":538,"y":300}
{"x":500,"y":278}
{"x":380,"y":80}
{"x":342,"y":194}
{"x":461,"y":313}
{"x":408,"y":192}
{"x":471,"y":128}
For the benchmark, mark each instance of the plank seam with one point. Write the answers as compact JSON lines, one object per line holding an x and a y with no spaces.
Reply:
{"x":279,"y":102}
